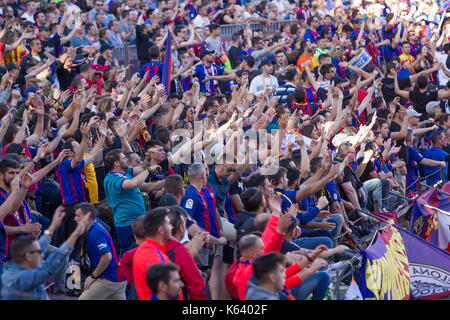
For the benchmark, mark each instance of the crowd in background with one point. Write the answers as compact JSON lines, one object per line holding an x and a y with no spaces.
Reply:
{"x":240,"y":177}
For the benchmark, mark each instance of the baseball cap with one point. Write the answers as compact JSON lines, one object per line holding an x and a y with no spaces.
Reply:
{"x":105,"y":47}
{"x":250,"y":61}
{"x":15,"y":156}
{"x":28,"y":23}
{"x":338,"y":80}
{"x":205,"y":52}
{"x":413,"y":113}
{"x":267,"y":61}
{"x":431,"y":105}
{"x":168,"y":200}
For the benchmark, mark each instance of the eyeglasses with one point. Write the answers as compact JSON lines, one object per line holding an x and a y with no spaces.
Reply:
{"x":35,"y":251}
{"x":230,"y":169}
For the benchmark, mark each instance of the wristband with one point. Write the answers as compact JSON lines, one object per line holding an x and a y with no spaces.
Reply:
{"x":92,"y":276}
{"x":309,"y":258}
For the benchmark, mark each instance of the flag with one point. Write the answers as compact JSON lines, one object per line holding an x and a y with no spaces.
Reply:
{"x":226,"y":62}
{"x":167,"y":66}
{"x":429,"y":267}
{"x":384,"y":274}
{"x":425,"y":221}
{"x":397,"y":258}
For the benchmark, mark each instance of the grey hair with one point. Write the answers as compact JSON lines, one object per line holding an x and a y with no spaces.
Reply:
{"x":195,"y":171}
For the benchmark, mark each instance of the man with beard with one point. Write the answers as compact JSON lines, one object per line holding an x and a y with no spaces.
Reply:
{"x":164,"y":281}
{"x":158,"y":228}
{"x":206,"y":70}
{"x":122,"y":192}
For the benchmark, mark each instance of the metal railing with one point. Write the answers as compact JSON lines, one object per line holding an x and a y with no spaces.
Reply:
{"x":128,"y":53}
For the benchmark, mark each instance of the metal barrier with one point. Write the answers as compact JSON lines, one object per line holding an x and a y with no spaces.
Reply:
{"x":128,"y":53}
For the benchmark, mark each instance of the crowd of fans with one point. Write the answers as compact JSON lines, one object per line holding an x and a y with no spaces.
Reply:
{"x":242,"y":178}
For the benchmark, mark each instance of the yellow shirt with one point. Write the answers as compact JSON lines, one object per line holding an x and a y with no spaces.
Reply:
{"x":409,"y":59}
{"x":91,"y":182}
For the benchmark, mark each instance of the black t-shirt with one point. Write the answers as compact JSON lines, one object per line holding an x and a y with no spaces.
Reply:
{"x":234,"y":55}
{"x":369,"y":168}
{"x":388,"y":88}
{"x":421,"y":99}
{"x":237,"y":187}
{"x":51,"y":45}
{"x":65,"y":76}
{"x":403,"y":153}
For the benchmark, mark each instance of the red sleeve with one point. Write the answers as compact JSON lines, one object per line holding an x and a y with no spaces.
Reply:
{"x":190,"y":273}
{"x":271,"y":238}
{"x":292,"y":270}
{"x":292,"y":282}
{"x":126,"y":265}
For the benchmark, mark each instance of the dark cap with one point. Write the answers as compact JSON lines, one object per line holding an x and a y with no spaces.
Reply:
{"x":14,"y":156}
{"x":168,"y":200}
{"x":205,"y":52}
{"x":250,"y":61}
{"x":11,"y":66}
{"x":338,"y":80}
{"x":28,"y":23}
{"x":105,"y":47}
{"x":267,"y":61}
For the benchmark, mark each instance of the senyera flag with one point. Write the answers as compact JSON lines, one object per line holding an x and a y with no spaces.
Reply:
{"x":167,"y":67}
{"x":400,"y":265}
{"x":430,"y":217}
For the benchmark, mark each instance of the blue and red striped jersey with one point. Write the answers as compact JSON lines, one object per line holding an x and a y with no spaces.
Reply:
{"x":71,"y":182}
{"x":155,"y":68}
{"x":196,"y":206}
{"x":210,"y":197}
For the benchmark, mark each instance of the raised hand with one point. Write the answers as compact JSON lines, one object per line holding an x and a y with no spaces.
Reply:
{"x":62,"y":155}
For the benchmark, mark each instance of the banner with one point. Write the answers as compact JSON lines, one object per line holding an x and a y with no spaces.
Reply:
{"x":428,"y":223}
{"x":399,"y":259}
{"x":429,"y":267}
{"x":361,"y":60}
{"x":384,"y":274}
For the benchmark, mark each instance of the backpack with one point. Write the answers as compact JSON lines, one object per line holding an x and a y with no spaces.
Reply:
{"x":86,"y":266}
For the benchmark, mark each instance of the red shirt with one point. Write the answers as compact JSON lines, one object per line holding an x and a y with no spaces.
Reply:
{"x":148,"y":253}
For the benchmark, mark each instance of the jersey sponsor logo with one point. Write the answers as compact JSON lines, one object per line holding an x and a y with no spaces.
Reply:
{"x":102,"y":246}
{"x":189,"y":204}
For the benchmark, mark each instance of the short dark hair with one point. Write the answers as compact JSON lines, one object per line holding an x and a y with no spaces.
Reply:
{"x":6,"y":163}
{"x":251,"y":199}
{"x":275,"y":178}
{"x":159,"y":272}
{"x":87,"y":208}
{"x":154,"y":219}
{"x":256,"y":180}
{"x":315,"y":164}
{"x":19,"y":247}
{"x":292,"y":175}
{"x":422,"y":82}
{"x":173,"y":184}
{"x":138,"y":227}
{"x":111,"y":157}
{"x":435,"y":137}
{"x":154,"y":52}
{"x":175,"y":214}
{"x":266,"y":264}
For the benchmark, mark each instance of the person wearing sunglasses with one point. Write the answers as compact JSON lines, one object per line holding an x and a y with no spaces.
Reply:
{"x":25,"y":279}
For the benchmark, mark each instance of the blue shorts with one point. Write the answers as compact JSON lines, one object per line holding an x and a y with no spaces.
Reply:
{"x":125,"y":238}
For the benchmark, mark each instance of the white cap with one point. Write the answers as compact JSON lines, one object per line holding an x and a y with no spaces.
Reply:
{"x":340,"y":138}
{"x":413,"y":113}
{"x":431,"y":105}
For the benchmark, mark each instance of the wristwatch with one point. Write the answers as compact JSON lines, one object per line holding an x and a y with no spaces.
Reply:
{"x":48,"y":233}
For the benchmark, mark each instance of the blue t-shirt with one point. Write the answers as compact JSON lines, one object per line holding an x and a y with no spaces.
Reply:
{"x":333,"y":191}
{"x":289,"y":197}
{"x":412,"y":172}
{"x":99,"y":243}
{"x":126,"y":204}
{"x":437,"y":154}
{"x":71,"y":182}
{"x":210,"y":197}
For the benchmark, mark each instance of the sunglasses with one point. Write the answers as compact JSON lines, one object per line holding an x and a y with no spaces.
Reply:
{"x":35,"y":251}
{"x":231,"y":169}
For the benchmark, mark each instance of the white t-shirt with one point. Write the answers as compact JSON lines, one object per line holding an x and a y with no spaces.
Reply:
{"x":201,"y":22}
{"x":28,"y":17}
{"x":442,"y":58}
{"x":259,"y":84}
